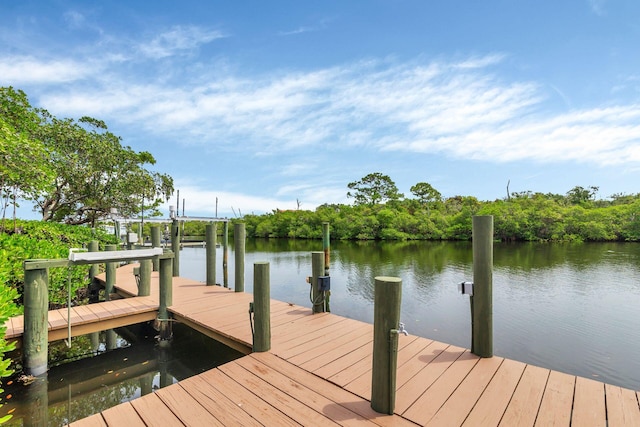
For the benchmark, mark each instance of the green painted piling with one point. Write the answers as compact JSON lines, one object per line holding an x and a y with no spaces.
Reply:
{"x":175,"y":246}
{"x":36,"y":325}
{"x":225,"y":255}
{"x":239,"y":237}
{"x":326,"y":246}
{"x":111,"y":339}
{"x":386,"y":320}
{"x":166,"y":297}
{"x":93,"y":270}
{"x":146,"y":266}
{"x":482,"y":298}
{"x":156,"y":242}
{"x":210,"y":242}
{"x":262,"y":307}
{"x":317,"y":270}
{"x":110,"y":274}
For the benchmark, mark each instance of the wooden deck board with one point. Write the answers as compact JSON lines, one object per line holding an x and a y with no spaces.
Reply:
{"x":319,"y":373}
{"x":95,"y":420}
{"x":555,"y":409}
{"x":525,"y":401}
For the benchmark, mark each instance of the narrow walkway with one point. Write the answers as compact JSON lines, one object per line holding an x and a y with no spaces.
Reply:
{"x":318,"y":372}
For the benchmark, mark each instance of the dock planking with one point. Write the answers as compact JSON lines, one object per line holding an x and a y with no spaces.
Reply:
{"x":318,"y":372}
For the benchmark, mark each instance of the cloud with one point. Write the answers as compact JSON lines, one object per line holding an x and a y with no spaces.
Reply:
{"x":20,"y":70}
{"x":178,"y":41}
{"x":597,"y":6}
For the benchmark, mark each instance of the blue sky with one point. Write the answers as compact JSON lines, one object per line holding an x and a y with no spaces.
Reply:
{"x":265,"y":103}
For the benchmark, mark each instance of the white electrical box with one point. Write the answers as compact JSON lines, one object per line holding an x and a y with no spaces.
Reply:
{"x":466,"y":288}
{"x":133,"y":238}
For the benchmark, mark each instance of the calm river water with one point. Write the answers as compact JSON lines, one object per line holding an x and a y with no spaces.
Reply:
{"x":569,"y":307}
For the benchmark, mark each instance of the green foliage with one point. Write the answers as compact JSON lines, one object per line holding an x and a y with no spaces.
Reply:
{"x":373,"y":189}
{"x":74,"y":171}
{"x":525,"y":216}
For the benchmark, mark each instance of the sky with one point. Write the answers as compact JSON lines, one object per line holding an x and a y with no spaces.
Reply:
{"x":278,"y":104}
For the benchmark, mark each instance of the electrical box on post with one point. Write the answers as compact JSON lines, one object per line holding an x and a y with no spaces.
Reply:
{"x":466,"y":288}
{"x":324,"y":283}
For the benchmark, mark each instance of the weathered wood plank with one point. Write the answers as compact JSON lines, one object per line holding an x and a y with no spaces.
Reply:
{"x":185,"y":407}
{"x":346,"y":399}
{"x":525,"y":402}
{"x":218,"y":403}
{"x":588,"y":403}
{"x":555,"y":409}
{"x":122,"y":415}
{"x":154,"y":412}
{"x":622,"y":407}
{"x":456,"y":409}
{"x":491,"y":406}
{"x":423,"y":407}
{"x":95,"y":420}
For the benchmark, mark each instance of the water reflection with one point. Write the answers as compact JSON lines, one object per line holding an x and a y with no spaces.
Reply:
{"x":135,"y":367}
{"x":569,"y":307}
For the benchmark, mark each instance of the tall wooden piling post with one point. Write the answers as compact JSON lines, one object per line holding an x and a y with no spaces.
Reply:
{"x":156,"y":242}
{"x":175,"y":246}
{"x":262,"y":307}
{"x":317,"y":270}
{"x":144,"y":289}
{"x":386,"y":320}
{"x":210,"y":242}
{"x":36,"y":325}
{"x":225,"y":255}
{"x":326,"y":246}
{"x":110,"y":274}
{"x":482,"y":298}
{"x":93,"y":270}
{"x":239,"y":237}
{"x":166,"y":296}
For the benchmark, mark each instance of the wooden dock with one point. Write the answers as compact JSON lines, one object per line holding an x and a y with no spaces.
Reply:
{"x":318,"y":372}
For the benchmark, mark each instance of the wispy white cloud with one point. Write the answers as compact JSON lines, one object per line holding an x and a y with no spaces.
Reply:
{"x":28,"y":70}
{"x":179,"y":40}
{"x":597,"y":6}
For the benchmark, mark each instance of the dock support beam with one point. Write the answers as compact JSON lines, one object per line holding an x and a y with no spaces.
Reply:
{"x":110,"y":274}
{"x":156,"y":242}
{"x":166,"y":297}
{"x":175,"y":246}
{"x":262,"y":307}
{"x":239,"y":237}
{"x":225,"y":255}
{"x":36,"y":324}
{"x":210,"y":243}
{"x":386,"y":321}
{"x":317,"y":270}
{"x":93,"y":270}
{"x":146,"y":265}
{"x":482,"y":298}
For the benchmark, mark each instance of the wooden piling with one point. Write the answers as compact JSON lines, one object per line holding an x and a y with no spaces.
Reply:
{"x":482,"y":298}
{"x":93,"y":270}
{"x":262,"y":307}
{"x":110,"y":274}
{"x":225,"y":255}
{"x":175,"y":247}
{"x":156,"y":242}
{"x":146,"y":265}
{"x":317,"y":270}
{"x":210,"y":241}
{"x":36,"y":325}
{"x":239,"y":236}
{"x":326,"y":246}
{"x":386,"y":320}
{"x":166,"y":297}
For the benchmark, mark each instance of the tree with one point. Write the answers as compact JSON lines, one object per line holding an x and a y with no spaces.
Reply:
{"x":425,"y":193}
{"x":373,"y":189}
{"x":580,"y":196}
{"x":94,"y":173}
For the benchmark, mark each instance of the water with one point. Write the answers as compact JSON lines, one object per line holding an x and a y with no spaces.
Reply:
{"x":138,"y":366}
{"x":567,"y":307}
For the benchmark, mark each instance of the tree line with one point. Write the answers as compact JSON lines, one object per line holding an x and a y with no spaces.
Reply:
{"x":381,"y":212}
